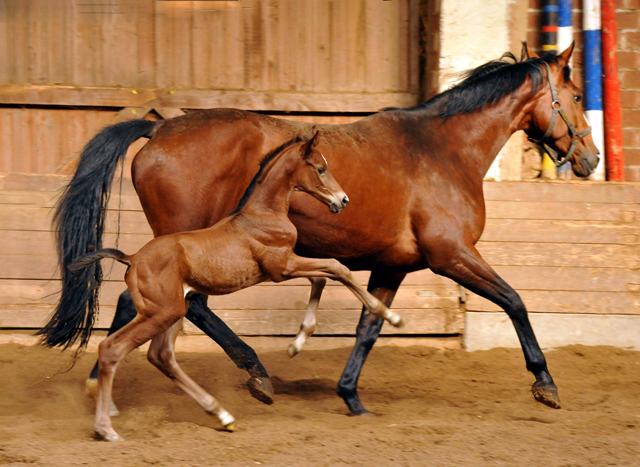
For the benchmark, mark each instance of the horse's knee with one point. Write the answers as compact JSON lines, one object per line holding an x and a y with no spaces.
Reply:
{"x":161,"y":358}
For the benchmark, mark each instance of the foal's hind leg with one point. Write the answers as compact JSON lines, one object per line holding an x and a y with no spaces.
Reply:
{"x":162,"y":354}
{"x":468,"y":269}
{"x":125,"y":312}
{"x":308,"y":326}
{"x":110,"y":353}
{"x":243,"y":356}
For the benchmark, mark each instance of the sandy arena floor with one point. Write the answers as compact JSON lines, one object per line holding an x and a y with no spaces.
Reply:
{"x":432,"y":407}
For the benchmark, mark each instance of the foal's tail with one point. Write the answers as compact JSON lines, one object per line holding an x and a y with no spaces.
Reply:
{"x":79,"y":225}
{"x":83,"y":262}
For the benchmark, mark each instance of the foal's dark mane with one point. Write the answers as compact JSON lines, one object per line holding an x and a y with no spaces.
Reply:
{"x":488,"y":84}
{"x":263,"y":163}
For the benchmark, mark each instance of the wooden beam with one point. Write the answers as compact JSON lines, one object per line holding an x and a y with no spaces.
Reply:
{"x":12,"y":94}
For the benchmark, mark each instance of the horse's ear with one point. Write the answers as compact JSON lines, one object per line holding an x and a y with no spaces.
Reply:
{"x":528,"y":52}
{"x":566,"y":55}
{"x":311,"y":139}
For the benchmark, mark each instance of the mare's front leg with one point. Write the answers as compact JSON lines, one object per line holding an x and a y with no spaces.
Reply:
{"x":243,"y":356}
{"x":470,"y":270}
{"x":308,"y":325}
{"x":298,"y":266}
{"x":162,"y":355}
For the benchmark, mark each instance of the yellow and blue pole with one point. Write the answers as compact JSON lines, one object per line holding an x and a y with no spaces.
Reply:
{"x":565,"y":39}
{"x":549,"y":31}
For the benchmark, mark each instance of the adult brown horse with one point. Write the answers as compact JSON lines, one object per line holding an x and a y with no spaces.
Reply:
{"x":414,"y":177}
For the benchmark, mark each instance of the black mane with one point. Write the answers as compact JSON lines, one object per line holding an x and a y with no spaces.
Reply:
{"x":489,"y":83}
{"x":263,"y":163}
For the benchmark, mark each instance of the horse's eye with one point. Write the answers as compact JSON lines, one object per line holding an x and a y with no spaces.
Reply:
{"x":577,"y":98}
{"x":321,"y":170}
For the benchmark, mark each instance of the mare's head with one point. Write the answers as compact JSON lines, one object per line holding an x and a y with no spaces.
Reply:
{"x":313,"y":176}
{"x":556,"y":116}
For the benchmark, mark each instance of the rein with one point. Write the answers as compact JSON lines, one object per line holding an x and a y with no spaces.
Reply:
{"x":556,"y":108}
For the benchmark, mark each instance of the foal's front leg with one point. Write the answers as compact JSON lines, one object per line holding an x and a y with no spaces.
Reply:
{"x":298,"y":266}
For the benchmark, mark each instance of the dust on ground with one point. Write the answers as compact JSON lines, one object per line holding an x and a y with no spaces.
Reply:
{"x":432,"y":407}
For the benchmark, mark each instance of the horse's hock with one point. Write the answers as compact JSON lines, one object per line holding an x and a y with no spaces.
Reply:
{"x":570,"y":249}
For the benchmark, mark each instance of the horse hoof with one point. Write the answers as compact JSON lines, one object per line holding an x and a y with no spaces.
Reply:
{"x":91,"y":388}
{"x":261,"y":389}
{"x":108,"y":435}
{"x":364,"y":414}
{"x":113,"y":410}
{"x":231,"y":427}
{"x":292,"y":351}
{"x":548,"y":395}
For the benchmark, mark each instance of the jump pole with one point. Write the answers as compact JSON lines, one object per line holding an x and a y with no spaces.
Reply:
{"x":593,"y":78}
{"x":549,"y":36}
{"x":565,"y":39}
{"x":612,"y":113}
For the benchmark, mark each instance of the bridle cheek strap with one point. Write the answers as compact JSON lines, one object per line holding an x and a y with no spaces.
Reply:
{"x":556,"y":108}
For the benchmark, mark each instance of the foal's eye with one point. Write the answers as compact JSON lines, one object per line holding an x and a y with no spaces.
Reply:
{"x":321,"y":170}
{"x":577,"y":98}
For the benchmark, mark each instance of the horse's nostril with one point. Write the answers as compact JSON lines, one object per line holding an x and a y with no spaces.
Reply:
{"x":345,"y":200}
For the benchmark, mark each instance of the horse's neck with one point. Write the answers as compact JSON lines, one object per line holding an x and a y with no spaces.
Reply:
{"x":481,"y":135}
{"x":273,"y":193}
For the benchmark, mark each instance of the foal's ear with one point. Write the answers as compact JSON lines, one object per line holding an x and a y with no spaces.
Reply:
{"x":311,"y":139}
{"x":565,"y":56}
{"x":528,"y":52}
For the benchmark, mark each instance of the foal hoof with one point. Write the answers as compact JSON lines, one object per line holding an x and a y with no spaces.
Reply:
{"x":231,"y":427}
{"x":110,"y":436}
{"x":292,"y":351}
{"x":261,"y":389}
{"x":91,"y":388}
{"x":548,"y":395}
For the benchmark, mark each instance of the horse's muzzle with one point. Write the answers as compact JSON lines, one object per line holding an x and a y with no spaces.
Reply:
{"x":338,"y":205}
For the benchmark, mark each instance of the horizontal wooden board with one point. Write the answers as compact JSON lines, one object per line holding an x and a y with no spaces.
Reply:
{"x":267,"y":296}
{"x":544,"y":301}
{"x":563,"y":191}
{"x":267,"y":323}
{"x":87,"y":96}
{"x":549,"y":231}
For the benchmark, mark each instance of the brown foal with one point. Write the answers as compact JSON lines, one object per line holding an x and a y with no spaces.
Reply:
{"x":253,"y":245}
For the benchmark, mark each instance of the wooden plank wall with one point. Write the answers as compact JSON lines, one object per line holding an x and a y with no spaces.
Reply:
{"x":29,"y":281}
{"x":272,"y":45}
{"x":68,"y":66}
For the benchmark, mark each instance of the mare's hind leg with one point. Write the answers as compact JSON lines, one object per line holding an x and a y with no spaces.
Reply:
{"x":162,"y":354}
{"x":384,"y":287}
{"x":111,"y":352}
{"x":243,"y":356}
{"x":470,"y":270}
{"x":308,"y":326}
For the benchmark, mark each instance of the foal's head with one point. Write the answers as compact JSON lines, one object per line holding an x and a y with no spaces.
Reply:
{"x":567,"y":134}
{"x":313,"y":176}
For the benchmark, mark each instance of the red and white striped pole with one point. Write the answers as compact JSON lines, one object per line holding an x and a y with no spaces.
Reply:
{"x":611,"y":93}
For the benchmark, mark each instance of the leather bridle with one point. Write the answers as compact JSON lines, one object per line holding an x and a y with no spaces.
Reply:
{"x":556,"y":108}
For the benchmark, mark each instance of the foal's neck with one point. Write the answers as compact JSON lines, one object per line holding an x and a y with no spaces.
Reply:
{"x":273,"y":192}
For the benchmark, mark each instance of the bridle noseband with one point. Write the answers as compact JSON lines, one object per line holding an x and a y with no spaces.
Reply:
{"x":556,"y":108}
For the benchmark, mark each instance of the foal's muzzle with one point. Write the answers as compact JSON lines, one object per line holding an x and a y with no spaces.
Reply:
{"x":339,"y":204}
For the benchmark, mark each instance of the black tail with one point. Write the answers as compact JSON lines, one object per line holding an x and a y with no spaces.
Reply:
{"x":83,"y":262}
{"x":79,"y":224}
